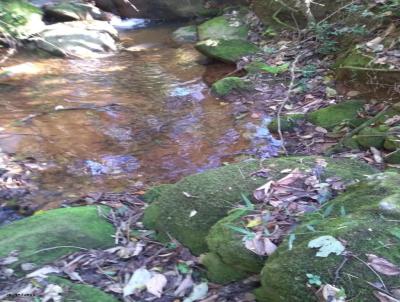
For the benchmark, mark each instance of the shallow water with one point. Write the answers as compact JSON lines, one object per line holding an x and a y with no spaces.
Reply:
{"x":104,"y":124}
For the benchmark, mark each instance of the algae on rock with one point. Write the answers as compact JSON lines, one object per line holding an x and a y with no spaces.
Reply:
{"x":44,"y":237}
{"x":227,"y":85}
{"x":221,"y":28}
{"x":229,"y":51}
{"x":358,"y":219}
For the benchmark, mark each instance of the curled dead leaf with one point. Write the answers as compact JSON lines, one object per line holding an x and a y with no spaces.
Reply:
{"x":383,"y":266}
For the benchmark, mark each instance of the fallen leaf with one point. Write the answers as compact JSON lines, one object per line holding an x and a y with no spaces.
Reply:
{"x":199,"y":292}
{"x":28,"y":266}
{"x":260,"y":245}
{"x":137,"y":282}
{"x":192,"y":213}
{"x":184,"y":286}
{"x":382,"y":297}
{"x":383,"y":266}
{"x":254,"y":222}
{"x":156,"y":285}
{"x":43,"y":272}
{"x":53,"y":293}
{"x":327,"y":245}
{"x":329,"y":293}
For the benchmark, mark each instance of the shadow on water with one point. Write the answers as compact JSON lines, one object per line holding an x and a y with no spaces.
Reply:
{"x":143,"y":115}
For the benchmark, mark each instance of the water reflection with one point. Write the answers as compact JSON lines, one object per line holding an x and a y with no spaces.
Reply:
{"x":104,"y":124}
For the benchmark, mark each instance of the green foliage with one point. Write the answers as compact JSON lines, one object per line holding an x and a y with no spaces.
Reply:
{"x":314,"y":279}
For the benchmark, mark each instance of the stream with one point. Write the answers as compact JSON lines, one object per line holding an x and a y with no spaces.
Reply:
{"x":143,"y":116}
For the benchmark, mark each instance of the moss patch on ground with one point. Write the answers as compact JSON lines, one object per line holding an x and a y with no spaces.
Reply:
{"x":228,"y":51}
{"x":332,"y":116}
{"x":359,"y":218}
{"x":188,"y":209}
{"x":80,"y":292}
{"x":42,"y":238}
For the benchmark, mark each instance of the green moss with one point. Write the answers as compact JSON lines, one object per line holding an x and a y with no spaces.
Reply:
{"x":155,"y":192}
{"x":228,"y":51}
{"x":393,"y":158}
{"x":228,"y":246}
{"x":354,"y":58}
{"x":366,"y":230}
{"x":288,"y":122}
{"x":20,"y":18}
{"x":226,"y":85}
{"x":218,"y":271}
{"x":332,"y":116}
{"x":220,"y":28}
{"x":370,"y":137}
{"x":258,"y":66}
{"x":212,"y":194}
{"x":39,"y":238}
{"x":80,"y":292}
{"x":392,"y":143}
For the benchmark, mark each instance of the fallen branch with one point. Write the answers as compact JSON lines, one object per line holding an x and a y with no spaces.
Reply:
{"x":287,"y":98}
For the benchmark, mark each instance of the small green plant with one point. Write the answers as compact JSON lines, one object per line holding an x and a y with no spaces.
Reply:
{"x":314,"y":280}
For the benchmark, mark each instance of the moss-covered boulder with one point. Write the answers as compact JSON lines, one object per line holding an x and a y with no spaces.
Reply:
{"x":228,"y":260}
{"x":80,"y":292}
{"x":20,"y":18}
{"x":365,"y":220}
{"x":44,"y":237}
{"x":223,"y":28}
{"x":188,"y":209}
{"x":186,"y":34}
{"x":334,"y":115}
{"x":227,"y":85}
{"x":229,"y":51}
{"x":371,"y":137}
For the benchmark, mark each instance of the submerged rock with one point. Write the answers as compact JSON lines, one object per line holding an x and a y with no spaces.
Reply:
{"x":44,"y":237}
{"x":78,"y":39}
{"x":186,"y":34}
{"x":229,"y":51}
{"x":362,"y":224}
{"x":188,"y":209}
{"x":226,"y":85}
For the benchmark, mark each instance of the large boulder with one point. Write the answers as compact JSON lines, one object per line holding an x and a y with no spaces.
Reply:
{"x":42,"y":238}
{"x":365,"y":220}
{"x":78,"y":39}
{"x":72,"y":11}
{"x":20,"y":19}
{"x":188,"y":209}
{"x":165,"y":9}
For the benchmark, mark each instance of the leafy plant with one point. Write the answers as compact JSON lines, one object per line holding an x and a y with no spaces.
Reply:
{"x":314,"y":279}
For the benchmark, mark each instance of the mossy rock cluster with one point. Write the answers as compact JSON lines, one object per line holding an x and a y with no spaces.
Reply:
{"x":224,"y":28}
{"x":188,"y":209}
{"x":227,"y":85}
{"x":342,"y":114}
{"x":365,"y":219}
{"x":47,"y":236}
{"x":20,"y":19}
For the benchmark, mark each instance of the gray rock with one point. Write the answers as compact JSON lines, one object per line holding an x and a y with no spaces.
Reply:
{"x":186,"y":34}
{"x":78,"y":39}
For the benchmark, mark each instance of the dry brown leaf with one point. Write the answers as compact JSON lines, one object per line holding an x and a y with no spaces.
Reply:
{"x":186,"y":284}
{"x":329,"y":293}
{"x":289,"y":179}
{"x":382,"y":297}
{"x":383,"y":266}
{"x":156,"y":284}
{"x":260,"y":245}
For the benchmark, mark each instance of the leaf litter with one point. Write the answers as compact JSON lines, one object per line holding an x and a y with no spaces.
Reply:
{"x":138,"y":268}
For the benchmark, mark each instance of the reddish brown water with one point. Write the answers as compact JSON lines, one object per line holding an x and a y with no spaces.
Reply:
{"x":137,"y":116}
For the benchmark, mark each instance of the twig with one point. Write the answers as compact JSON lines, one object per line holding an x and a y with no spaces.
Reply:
{"x":287,"y":98}
{"x":336,"y":11}
{"x":337,"y":272}
{"x":59,"y":247}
